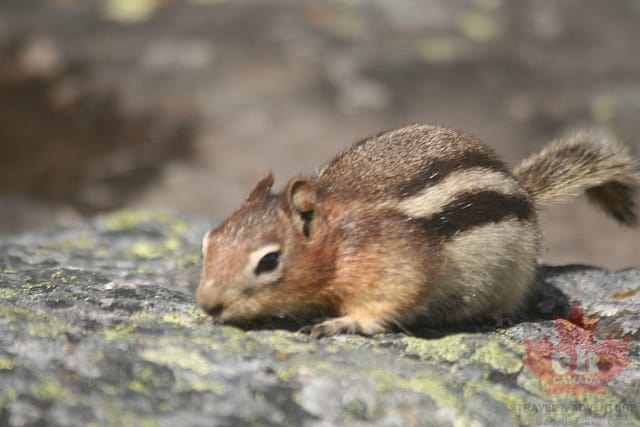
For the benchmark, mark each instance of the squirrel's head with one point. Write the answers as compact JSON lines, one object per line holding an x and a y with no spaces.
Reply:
{"x":267,"y":258}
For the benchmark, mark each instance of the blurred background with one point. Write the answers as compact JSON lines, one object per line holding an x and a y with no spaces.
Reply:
{"x":108,"y":104}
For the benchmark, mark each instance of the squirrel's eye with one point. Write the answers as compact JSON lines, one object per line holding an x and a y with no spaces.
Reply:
{"x":268,"y":262}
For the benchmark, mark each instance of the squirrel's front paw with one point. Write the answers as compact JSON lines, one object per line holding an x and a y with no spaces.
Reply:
{"x":342,"y":325}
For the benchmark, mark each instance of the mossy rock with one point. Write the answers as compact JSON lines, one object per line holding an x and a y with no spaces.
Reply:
{"x":98,"y":326}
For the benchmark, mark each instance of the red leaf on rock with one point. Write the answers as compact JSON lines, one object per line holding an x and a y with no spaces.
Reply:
{"x":579,"y":362}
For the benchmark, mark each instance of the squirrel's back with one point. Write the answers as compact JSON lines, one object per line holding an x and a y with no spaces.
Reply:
{"x":401,"y":162}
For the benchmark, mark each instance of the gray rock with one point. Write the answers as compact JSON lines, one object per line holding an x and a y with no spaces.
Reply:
{"x":98,"y":327}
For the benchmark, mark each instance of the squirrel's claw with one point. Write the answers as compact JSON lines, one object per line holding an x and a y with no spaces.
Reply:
{"x":341,"y":325}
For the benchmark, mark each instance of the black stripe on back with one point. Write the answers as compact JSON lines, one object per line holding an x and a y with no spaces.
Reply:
{"x":471,"y":210}
{"x":438,"y":169}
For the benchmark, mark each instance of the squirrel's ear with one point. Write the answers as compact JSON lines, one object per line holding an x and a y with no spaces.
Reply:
{"x":262,"y":188}
{"x":302,"y":199}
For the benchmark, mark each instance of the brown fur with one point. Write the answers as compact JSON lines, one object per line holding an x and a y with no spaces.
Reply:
{"x":418,"y":224}
{"x":591,"y":162}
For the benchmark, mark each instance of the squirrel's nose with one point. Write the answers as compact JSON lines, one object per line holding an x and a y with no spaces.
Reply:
{"x":215,"y":310}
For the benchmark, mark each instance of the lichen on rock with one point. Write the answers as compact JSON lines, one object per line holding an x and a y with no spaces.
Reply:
{"x":96,"y":332}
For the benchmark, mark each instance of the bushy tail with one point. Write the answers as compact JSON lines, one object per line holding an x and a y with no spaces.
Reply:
{"x":594,"y":163}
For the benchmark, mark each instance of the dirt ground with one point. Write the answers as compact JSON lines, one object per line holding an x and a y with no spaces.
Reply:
{"x":184,"y":105}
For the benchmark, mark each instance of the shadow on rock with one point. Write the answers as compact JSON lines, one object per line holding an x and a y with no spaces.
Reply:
{"x":546,"y":302}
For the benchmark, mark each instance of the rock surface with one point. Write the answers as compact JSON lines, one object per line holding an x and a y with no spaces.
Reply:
{"x":98,"y":327}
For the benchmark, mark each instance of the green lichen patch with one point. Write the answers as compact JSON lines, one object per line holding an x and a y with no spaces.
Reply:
{"x":294,"y":368}
{"x":181,"y":357}
{"x":515,"y":402}
{"x":189,"y":318}
{"x":37,"y":324}
{"x":230,"y":340}
{"x":38,"y":288}
{"x":285,"y":342}
{"x":7,"y":293}
{"x":65,"y":276}
{"x":81,"y":241}
{"x":479,"y":26}
{"x":387,"y":381}
{"x":144,"y":317}
{"x":350,"y":343}
{"x":534,"y":385}
{"x":151,"y":378}
{"x":7,"y":363}
{"x":15,"y":313}
{"x":425,"y":380}
{"x":209,"y":386}
{"x":97,"y":356}
{"x":440,"y":49}
{"x":438,"y":386}
{"x":189,"y":259}
{"x":49,"y":390}
{"x":450,"y":348}
{"x":120,"y":331}
{"x":287,"y":373}
{"x":497,"y":355}
{"x":607,"y":404}
{"x":153,"y":249}
{"x":50,"y":328}
{"x":130,"y":219}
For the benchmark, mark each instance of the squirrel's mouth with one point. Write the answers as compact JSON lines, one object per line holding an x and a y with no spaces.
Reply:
{"x":214,"y":311}
{"x":235,"y":314}
{"x":223,"y":316}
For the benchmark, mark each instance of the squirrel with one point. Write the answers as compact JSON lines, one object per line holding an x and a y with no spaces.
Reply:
{"x":417,"y":225}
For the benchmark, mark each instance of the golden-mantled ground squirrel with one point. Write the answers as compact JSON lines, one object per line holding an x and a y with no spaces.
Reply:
{"x":418,"y":224}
